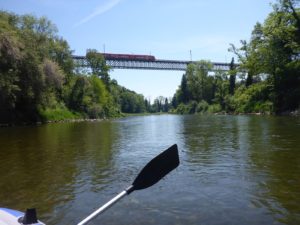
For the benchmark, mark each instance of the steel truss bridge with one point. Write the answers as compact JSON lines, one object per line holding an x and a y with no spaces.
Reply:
{"x":157,"y":64}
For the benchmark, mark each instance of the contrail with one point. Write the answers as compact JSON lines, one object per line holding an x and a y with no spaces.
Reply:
{"x":98,"y":11}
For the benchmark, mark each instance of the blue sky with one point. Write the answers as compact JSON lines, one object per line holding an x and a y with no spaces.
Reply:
{"x":167,"y":29}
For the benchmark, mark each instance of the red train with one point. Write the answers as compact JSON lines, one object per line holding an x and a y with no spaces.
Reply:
{"x":128,"y":57}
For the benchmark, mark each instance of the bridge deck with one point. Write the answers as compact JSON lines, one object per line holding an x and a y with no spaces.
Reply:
{"x":159,"y":64}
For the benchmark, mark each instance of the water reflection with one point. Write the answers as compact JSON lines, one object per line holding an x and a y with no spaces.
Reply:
{"x":234,"y":170}
{"x":48,"y":166}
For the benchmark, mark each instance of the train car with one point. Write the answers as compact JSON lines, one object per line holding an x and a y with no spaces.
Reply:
{"x":111,"y":56}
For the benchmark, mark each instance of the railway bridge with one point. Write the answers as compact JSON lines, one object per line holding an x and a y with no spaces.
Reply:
{"x":145,"y":62}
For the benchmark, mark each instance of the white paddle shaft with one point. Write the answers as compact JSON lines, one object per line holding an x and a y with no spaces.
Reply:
{"x":103,"y":208}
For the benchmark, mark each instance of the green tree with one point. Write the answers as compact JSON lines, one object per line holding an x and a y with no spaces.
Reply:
{"x":98,"y":65}
{"x":132,"y":102}
{"x":174,"y":102}
{"x":274,"y":50}
{"x":184,"y":92}
{"x":90,"y":97}
{"x":100,"y":94}
{"x":156,"y":107}
{"x":166,"y":105}
{"x":199,"y":83}
{"x":232,"y":77}
{"x":147,"y":105}
{"x":80,"y":95}
{"x":221,"y":84}
{"x":32,"y":72}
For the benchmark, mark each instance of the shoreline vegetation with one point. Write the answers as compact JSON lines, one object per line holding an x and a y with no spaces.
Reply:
{"x":39,"y":82}
{"x":295,"y":113}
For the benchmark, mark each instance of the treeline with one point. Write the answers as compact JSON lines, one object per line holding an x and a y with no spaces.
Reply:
{"x":39,"y":81}
{"x":267,"y":80}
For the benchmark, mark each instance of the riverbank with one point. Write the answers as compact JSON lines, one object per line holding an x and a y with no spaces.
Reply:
{"x":145,"y":114}
{"x":51,"y":121}
{"x":295,"y":113}
{"x":289,"y":113}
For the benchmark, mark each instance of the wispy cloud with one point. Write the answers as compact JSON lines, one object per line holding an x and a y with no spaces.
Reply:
{"x":98,"y":11}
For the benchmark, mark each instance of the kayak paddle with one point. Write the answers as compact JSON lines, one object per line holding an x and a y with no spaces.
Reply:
{"x":154,"y":171}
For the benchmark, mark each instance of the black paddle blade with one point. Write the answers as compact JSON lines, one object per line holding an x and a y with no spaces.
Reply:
{"x":157,"y":168}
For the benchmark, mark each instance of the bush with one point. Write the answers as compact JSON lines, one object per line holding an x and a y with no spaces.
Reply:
{"x":255,"y":98}
{"x":214,"y":108}
{"x":264,"y":107}
{"x":229,"y":104}
{"x":202,"y":106}
{"x":182,"y":109}
{"x":95,"y":111}
{"x":191,"y":107}
{"x":57,"y":114}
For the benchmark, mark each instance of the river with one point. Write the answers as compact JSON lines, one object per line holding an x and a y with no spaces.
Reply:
{"x":234,"y":170}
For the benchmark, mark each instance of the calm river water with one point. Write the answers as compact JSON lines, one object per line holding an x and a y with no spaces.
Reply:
{"x":234,"y":170}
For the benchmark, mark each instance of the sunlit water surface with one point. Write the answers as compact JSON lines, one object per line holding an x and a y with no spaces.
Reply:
{"x":234,"y":170}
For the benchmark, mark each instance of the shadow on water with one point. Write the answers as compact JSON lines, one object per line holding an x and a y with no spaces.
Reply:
{"x":276,"y":160}
{"x":48,"y":166}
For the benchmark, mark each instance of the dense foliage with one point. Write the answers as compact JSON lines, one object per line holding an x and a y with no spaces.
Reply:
{"x":34,"y":65}
{"x":39,"y":82}
{"x":268,"y":76}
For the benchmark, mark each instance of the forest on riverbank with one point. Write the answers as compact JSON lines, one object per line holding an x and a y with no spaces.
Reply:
{"x":39,"y":81}
{"x":267,"y":79}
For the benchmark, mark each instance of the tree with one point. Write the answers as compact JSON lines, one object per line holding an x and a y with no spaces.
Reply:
{"x":132,"y":102}
{"x":281,"y":50}
{"x":99,"y":94}
{"x":156,"y":107}
{"x":199,"y":83}
{"x":274,"y":50}
{"x":248,"y":54}
{"x":232,"y":73}
{"x":289,"y":6}
{"x":59,"y":52}
{"x":147,"y":105}
{"x":80,"y":95}
{"x":98,"y":65}
{"x":166,"y":105}
{"x":184,"y":98}
{"x":10,"y":57}
{"x":222,"y":88}
{"x":33,"y":64}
